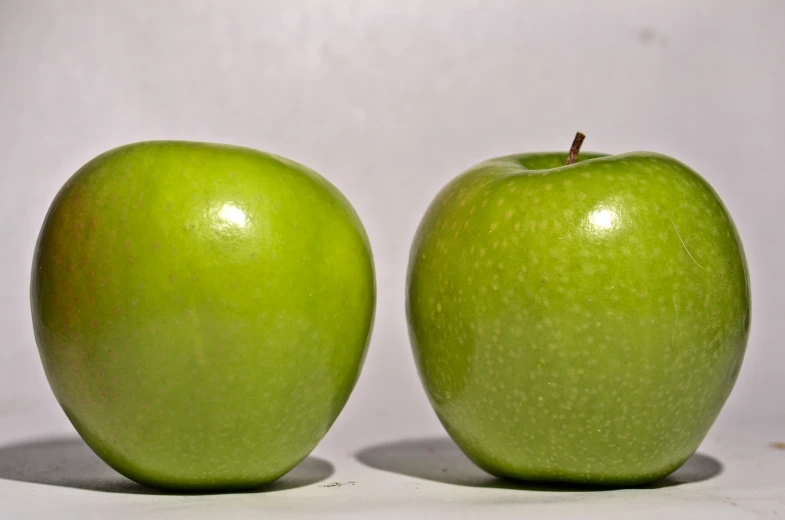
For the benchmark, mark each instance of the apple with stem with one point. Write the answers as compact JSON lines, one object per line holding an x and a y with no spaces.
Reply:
{"x":578,"y":317}
{"x":202,"y":311}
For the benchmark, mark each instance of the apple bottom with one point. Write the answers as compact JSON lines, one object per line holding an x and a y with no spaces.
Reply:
{"x":169,"y":482}
{"x":580,"y":477}
{"x":583,"y":459}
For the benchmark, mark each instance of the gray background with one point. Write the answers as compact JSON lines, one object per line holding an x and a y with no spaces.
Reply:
{"x":390,"y":100}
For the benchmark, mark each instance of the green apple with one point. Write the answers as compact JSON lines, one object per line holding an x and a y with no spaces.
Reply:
{"x":579,"y":322}
{"x":202,"y":311}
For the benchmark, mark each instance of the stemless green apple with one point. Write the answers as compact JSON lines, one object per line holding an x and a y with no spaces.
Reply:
{"x":578,"y":322}
{"x":202,"y":311}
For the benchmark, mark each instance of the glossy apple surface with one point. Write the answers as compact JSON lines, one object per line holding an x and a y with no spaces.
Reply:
{"x":202,"y":311}
{"x":582,"y":322}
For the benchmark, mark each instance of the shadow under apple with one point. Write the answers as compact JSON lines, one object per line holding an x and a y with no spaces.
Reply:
{"x":440,"y":460}
{"x":69,"y":462}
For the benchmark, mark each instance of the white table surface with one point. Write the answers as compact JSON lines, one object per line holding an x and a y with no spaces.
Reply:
{"x":739,"y":472}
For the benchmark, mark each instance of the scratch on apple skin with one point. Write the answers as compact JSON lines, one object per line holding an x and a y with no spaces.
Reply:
{"x":676,"y":323}
{"x":683,"y":244}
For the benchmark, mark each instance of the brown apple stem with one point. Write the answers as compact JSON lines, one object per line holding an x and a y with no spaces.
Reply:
{"x":575,"y":148}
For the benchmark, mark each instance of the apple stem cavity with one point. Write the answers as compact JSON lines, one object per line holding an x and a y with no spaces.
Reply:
{"x":575,"y":148}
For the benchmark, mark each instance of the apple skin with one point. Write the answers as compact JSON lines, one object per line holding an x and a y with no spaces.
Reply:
{"x":580,"y":323}
{"x":202,"y":311}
